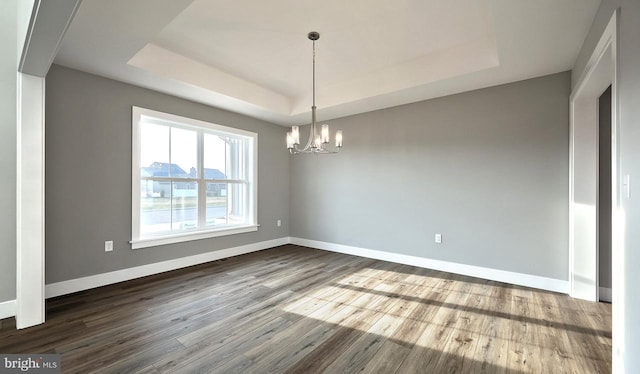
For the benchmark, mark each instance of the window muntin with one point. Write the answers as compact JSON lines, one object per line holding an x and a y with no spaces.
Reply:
{"x":190,"y":177}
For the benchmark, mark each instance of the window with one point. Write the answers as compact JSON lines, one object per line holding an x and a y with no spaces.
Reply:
{"x":191,"y":179}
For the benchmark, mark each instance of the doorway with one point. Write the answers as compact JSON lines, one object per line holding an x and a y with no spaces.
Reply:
{"x":604,"y":207}
{"x":601,"y":71}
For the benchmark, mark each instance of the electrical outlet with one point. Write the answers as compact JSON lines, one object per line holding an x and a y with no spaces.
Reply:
{"x":279,"y":223}
{"x":108,"y":246}
{"x":438,"y":238}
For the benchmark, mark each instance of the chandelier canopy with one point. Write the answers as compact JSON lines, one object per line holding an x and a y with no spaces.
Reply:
{"x":318,"y":142}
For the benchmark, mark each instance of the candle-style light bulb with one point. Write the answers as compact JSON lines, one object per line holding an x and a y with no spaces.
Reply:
{"x":295,"y":134}
{"x":324,"y":134}
{"x":289,"y":140}
{"x":339,"y":139}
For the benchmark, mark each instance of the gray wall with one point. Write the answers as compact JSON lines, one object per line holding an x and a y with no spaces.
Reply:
{"x":8,"y":69}
{"x":629,"y":114}
{"x":88,"y":178}
{"x":604,"y":190}
{"x":487,"y":169}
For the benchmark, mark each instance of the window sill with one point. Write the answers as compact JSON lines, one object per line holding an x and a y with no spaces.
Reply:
{"x":163,"y":240}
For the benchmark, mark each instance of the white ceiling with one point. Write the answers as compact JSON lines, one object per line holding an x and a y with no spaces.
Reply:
{"x":253,"y":57}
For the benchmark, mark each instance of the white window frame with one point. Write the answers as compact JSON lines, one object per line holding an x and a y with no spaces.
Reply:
{"x":184,"y":122}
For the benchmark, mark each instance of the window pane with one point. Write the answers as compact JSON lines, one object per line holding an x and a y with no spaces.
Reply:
{"x":216,"y":204}
{"x":184,"y":206}
{"x":215,"y":157}
{"x":237,"y":203}
{"x":184,"y":153}
{"x":154,"y":150}
{"x":155,"y":207}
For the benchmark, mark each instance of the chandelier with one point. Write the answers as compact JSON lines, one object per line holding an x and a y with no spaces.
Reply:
{"x":318,"y":142}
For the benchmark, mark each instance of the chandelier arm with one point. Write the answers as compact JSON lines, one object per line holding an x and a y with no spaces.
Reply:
{"x":322,"y":150}
{"x":315,"y":151}
{"x":308,"y":145}
{"x":327,"y":152}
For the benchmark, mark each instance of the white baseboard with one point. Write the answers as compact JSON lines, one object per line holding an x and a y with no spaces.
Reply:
{"x":520,"y":279}
{"x":99,"y":280}
{"x":605,"y":294}
{"x":8,"y":309}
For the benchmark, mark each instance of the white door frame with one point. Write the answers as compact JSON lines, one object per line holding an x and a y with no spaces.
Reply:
{"x":600,"y":72}
{"x":583,"y":160}
{"x":30,"y":202}
{"x":47,"y":26}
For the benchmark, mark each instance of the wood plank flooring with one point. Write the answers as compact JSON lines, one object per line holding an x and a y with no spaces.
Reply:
{"x":293,"y":309}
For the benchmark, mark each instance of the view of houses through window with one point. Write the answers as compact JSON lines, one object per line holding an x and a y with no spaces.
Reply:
{"x":191,"y":178}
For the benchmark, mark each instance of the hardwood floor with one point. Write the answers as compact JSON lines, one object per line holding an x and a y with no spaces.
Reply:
{"x":299,"y":310}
